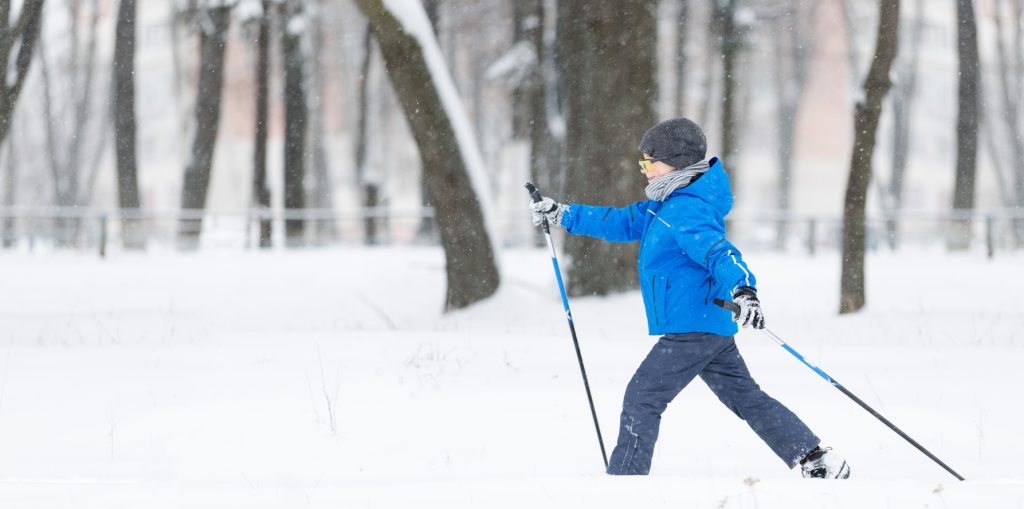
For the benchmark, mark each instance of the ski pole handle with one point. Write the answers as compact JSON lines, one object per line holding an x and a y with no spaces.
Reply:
{"x":534,"y":193}
{"x":727,"y":305}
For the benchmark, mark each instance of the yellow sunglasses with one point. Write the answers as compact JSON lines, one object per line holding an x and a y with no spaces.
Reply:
{"x":647,"y":163}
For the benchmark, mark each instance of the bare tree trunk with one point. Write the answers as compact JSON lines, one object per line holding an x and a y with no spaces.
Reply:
{"x":296,"y":118}
{"x":427,"y":231}
{"x":730,"y":42}
{"x":1011,"y":115}
{"x":682,"y":38}
{"x":534,"y":117}
{"x":852,"y":48}
{"x":260,"y":190}
{"x":523,"y":22}
{"x":25,"y":29}
{"x":793,"y":47}
{"x":865,"y":124}
{"x":967,"y":125}
{"x":71,"y":92}
{"x":902,"y":105}
{"x":8,"y":235}
{"x":610,"y":106}
{"x":325,"y":230}
{"x":367,"y":183}
{"x":710,"y":71}
{"x":469,"y":252}
{"x":213,"y":29}
{"x":132,"y":233}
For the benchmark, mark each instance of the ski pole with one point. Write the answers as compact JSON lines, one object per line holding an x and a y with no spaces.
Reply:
{"x":731,"y":306}
{"x":535,"y":194}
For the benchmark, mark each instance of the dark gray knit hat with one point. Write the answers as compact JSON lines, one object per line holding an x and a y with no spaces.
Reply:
{"x":680,"y":138}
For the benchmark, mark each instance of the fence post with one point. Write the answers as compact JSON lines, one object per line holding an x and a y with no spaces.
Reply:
{"x":812,"y":227}
{"x":103,"y":235}
{"x":990,"y":242}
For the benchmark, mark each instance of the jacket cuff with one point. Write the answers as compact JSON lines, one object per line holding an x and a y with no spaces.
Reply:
{"x":566,"y":216}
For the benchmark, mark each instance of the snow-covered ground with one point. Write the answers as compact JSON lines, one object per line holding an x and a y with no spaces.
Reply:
{"x":331,"y":379}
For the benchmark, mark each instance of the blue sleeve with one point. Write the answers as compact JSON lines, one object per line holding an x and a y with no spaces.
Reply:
{"x":702,"y":237}
{"x":624,"y":224}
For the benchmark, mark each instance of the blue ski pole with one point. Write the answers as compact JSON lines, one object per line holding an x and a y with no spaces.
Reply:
{"x":535,"y":194}
{"x":731,"y":306}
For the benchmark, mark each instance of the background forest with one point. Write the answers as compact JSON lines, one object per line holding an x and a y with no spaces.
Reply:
{"x":242,"y":123}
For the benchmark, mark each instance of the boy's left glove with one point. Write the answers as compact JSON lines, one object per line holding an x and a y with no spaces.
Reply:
{"x":750,"y":308}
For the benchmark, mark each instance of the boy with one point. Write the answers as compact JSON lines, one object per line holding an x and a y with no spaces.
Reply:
{"x":685,"y":262}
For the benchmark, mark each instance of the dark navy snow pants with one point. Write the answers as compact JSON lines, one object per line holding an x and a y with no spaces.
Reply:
{"x":673,"y":362}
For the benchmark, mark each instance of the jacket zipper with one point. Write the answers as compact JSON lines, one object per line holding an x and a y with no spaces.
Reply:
{"x":654,"y":297}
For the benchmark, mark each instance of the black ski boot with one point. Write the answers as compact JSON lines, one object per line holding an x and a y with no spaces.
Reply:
{"x":824,"y":464}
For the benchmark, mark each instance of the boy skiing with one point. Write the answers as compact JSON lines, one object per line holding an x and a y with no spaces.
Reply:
{"x":684,"y":263}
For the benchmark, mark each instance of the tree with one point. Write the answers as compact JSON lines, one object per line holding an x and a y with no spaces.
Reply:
{"x":214,"y":18}
{"x":7,"y":227}
{"x":452,"y":165}
{"x":18,"y":41}
{"x":368,"y":189}
{"x":610,"y":48}
{"x":966,"y":125}
{"x":1011,"y":80}
{"x":123,"y":104}
{"x":322,"y":192}
{"x":682,"y":37}
{"x":529,"y":97}
{"x":68,"y":73}
{"x":730,"y":43}
{"x":792,"y":52}
{"x":260,"y":190}
{"x":903,"y":94}
{"x":865,"y":127}
{"x":296,"y":117}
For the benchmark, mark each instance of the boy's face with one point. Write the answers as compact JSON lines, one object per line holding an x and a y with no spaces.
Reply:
{"x":655,"y":169}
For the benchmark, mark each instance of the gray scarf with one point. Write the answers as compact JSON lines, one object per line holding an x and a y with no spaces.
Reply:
{"x":661,"y":187}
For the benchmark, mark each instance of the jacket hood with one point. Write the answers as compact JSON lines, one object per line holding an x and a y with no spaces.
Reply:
{"x":712,"y":187}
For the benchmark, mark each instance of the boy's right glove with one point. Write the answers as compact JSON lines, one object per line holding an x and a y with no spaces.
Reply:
{"x":548,"y":209}
{"x":750,"y":308}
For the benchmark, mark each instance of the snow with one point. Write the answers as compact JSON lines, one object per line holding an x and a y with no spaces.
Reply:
{"x":413,"y":18}
{"x":248,"y":10}
{"x":213,"y":380}
{"x":514,"y":66}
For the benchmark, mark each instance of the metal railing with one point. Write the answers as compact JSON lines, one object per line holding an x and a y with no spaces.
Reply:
{"x":39,"y":229}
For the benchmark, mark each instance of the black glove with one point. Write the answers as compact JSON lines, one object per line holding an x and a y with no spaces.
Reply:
{"x":750,"y":308}
{"x":548,"y":209}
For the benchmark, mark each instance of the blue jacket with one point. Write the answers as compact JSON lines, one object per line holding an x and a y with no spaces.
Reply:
{"x":685,"y":260}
